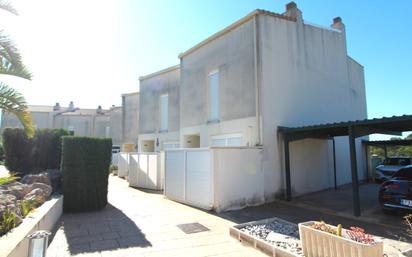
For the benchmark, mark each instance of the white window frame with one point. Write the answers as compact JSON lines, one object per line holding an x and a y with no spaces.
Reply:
{"x":211,"y":117}
{"x":226,"y":137}
{"x":163,"y":127}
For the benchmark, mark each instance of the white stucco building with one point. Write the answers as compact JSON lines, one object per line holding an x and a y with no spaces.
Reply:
{"x":80,"y":121}
{"x":159,"y":110}
{"x":236,"y":88}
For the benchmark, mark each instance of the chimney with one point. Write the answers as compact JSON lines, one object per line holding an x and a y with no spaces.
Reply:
{"x":293,"y":11}
{"x":71,"y":105}
{"x":99,"y":110}
{"x":338,"y":24}
{"x":56,"y":107}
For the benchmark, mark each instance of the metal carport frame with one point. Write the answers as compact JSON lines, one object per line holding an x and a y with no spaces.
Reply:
{"x":353,"y":129}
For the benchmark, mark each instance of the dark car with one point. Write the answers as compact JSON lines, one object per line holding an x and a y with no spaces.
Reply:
{"x":396,"y":193}
{"x":389,"y":167}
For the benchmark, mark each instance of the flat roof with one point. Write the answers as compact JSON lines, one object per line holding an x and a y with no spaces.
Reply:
{"x":235,"y":25}
{"x":175,"y":67}
{"x":129,"y":94}
{"x":393,"y":142}
{"x":385,"y":125}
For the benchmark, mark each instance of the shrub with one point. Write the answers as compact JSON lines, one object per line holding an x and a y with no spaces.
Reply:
{"x":8,"y":221}
{"x":25,"y":155}
{"x":47,"y":143}
{"x":18,"y":151}
{"x":85,"y":169}
{"x":113,"y":168}
{"x":7,"y":179}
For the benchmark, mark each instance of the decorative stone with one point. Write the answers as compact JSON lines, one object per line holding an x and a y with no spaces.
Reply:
{"x":36,"y":195}
{"x":17,"y":189}
{"x":47,"y":190}
{"x":32,"y":178}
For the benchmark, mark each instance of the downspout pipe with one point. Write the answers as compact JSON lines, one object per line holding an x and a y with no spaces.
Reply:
{"x":257,"y":73}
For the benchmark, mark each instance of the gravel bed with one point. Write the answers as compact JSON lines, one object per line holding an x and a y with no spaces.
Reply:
{"x":280,"y":234}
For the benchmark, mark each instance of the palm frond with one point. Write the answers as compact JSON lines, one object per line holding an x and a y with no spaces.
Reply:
{"x":6,"y":5}
{"x":10,"y":59}
{"x":12,"y":101}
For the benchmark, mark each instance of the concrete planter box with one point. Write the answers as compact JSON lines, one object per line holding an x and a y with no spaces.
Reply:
{"x":258,"y":243}
{"x":316,"y":243}
{"x":15,"y":243}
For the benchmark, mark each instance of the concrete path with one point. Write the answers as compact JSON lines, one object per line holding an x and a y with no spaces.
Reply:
{"x":138,"y":223}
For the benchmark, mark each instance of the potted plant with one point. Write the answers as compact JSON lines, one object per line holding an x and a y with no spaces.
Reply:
{"x":323,"y":240}
{"x":408,"y":222}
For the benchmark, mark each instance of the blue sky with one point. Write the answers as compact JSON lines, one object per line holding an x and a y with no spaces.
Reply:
{"x":79,"y":49}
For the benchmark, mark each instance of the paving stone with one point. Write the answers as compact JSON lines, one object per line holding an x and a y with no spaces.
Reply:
{"x":110,"y":235}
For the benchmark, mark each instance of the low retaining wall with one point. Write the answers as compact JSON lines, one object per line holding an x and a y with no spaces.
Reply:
{"x":15,"y":243}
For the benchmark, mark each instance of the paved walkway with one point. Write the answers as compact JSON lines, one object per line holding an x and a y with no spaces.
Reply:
{"x":138,"y":223}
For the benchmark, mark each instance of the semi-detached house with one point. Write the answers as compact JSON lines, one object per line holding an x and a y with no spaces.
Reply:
{"x":236,"y":87}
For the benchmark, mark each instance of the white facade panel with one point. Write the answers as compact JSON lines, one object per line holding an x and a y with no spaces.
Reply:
{"x":133,"y":169}
{"x":175,"y":175}
{"x":199,"y":178}
{"x":123,"y":165}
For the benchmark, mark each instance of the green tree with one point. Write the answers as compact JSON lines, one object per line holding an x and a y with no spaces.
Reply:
{"x":11,"y":64}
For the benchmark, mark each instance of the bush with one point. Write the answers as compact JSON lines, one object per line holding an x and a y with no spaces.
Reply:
{"x":18,"y":151}
{"x":85,"y":169}
{"x":25,"y":156}
{"x":48,"y":145}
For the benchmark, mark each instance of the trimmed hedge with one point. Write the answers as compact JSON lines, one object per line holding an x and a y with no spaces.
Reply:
{"x":85,"y":169}
{"x":25,"y":155}
{"x":18,"y":151}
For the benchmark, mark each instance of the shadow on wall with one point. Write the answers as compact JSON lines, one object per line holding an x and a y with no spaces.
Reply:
{"x":104,"y":230}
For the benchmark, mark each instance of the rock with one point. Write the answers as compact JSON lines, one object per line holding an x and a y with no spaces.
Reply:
{"x":32,"y":178}
{"x":17,"y":189}
{"x":36,"y":195}
{"x":6,"y":199}
{"x":47,"y":190}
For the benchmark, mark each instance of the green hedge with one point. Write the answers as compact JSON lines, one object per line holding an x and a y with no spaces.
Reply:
{"x":24,"y":155}
{"x":18,"y":151}
{"x":85,"y":169}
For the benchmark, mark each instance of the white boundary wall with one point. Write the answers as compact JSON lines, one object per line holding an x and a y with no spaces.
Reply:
{"x":123,"y":165}
{"x":145,"y":170}
{"x":215,"y":178}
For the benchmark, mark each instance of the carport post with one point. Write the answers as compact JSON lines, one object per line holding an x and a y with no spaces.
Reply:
{"x":334,"y":163}
{"x":287,"y":169}
{"x":354,"y":170}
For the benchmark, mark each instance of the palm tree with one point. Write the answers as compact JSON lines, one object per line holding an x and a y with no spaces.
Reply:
{"x":11,"y":64}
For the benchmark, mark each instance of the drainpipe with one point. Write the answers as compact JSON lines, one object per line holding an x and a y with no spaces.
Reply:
{"x":257,"y":79}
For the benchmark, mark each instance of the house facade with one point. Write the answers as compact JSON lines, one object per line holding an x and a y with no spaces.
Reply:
{"x":81,"y":122}
{"x":159,"y":110}
{"x":268,"y":70}
{"x":130,"y":118}
{"x":231,"y":92}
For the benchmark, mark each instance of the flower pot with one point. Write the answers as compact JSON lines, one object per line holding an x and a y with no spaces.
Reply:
{"x":317,"y":243}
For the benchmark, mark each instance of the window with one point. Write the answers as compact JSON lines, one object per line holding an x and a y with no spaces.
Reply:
{"x":164,"y":112}
{"x":404,"y":174}
{"x":228,"y":140}
{"x":214,"y":96}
